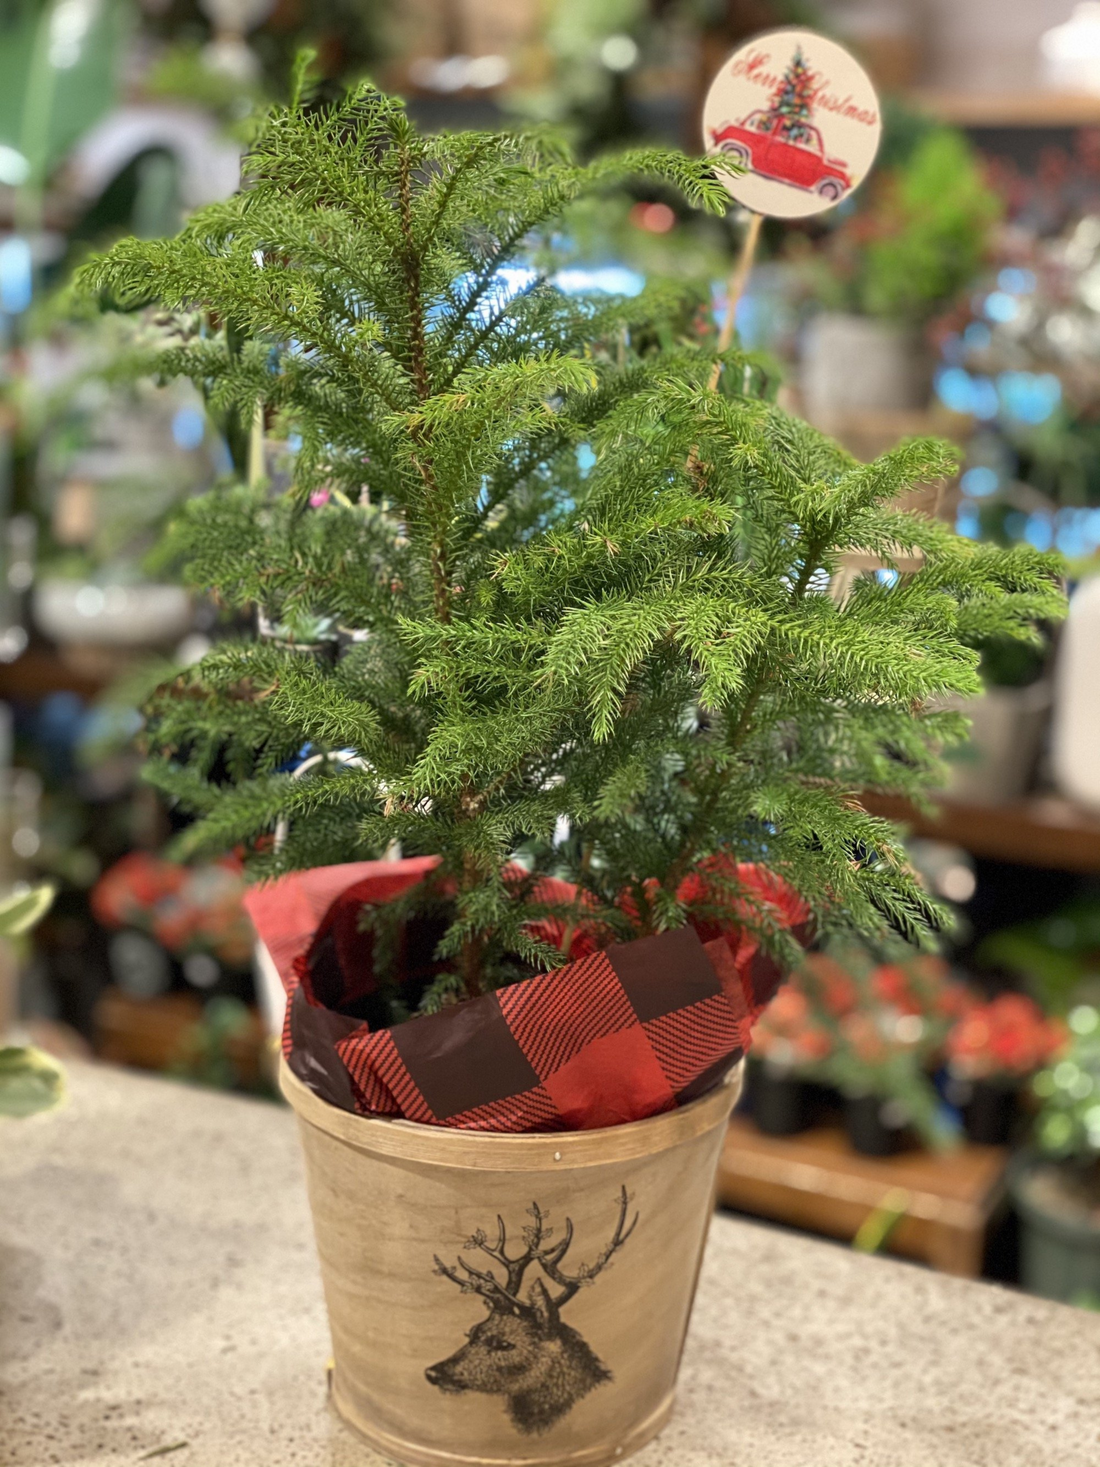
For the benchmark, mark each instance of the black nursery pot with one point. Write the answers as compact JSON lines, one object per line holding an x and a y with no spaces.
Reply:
{"x":779,"y":1101}
{"x":867,"y":1131}
{"x":989,"y":1112}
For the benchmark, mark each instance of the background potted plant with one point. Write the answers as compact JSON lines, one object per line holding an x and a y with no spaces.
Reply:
{"x":193,"y":912}
{"x":593,"y":646}
{"x":917,"y":239}
{"x":108,"y":460}
{"x":991,"y":1051}
{"x":886,"y":1023}
{"x":1008,"y":721}
{"x":1056,"y":1186}
{"x":788,"y":1038}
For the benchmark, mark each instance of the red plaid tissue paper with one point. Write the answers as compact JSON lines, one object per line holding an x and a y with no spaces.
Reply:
{"x":616,"y":1035}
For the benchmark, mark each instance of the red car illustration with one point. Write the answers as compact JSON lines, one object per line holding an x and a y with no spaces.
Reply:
{"x":791,"y":152}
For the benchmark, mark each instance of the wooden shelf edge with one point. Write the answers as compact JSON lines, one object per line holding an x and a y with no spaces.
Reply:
{"x":815,"y":1181}
{"x":1043,"y":831}
{"x":1036,"y":108}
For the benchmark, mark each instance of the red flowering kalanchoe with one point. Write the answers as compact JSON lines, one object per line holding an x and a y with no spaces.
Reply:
{"x":788,"y":1035}
{"x":828,"y":986}
{"x":1008,"y":1038}
{"x":187,"y":909}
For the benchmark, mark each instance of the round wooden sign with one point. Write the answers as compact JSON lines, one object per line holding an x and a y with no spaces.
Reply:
{"x":801,"y":117}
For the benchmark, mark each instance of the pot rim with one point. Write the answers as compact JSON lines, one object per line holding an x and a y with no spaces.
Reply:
{"x":506,"y":1151}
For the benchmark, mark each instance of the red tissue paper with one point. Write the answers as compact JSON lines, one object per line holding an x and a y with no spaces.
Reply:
{"x":619,"y":1033}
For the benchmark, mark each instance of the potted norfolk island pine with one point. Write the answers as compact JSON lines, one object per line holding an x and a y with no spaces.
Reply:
{"x":594,"y":685}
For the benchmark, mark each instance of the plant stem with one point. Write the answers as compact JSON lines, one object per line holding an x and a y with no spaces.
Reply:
{"x":418,"y":356}
{"x":470,"y":961}
{"x":422,"y":386}
{"x":757,"y":683}
{"x":471,"y":958}
{"x":571,"y":925}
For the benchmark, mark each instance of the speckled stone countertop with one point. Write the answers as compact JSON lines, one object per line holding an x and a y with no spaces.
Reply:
{"x":158,"y":1287}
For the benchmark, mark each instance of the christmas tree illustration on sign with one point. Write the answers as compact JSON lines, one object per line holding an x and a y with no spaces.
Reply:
{"x":793,"y":102}
{"x":799,"y":116}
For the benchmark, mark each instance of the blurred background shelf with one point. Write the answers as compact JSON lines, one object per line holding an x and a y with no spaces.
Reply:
{"x":40,"y":671}
{"x":145,"y":1033}
{"x":167,"y":1034}
{"x":816,"y":1181}
{"x":1010,"y":109}
{"x":1041,"y":830}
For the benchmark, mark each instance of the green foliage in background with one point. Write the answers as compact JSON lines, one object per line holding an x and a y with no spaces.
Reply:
{"x":1068,"y":1123}
{"x":578,"y":75}
{"x":876,"y":1229}
{"x":30,"y":1082}
{"x":570,"y":579}
{"x":58,"y":74}
{"x":216,"y":1051}
{"x":1059,"y":457}
{"x":580,"y":90}
{"x":350,"y":36}
{"x":1057,"y":957}
{"x":918,"y":236}
{"x":182,"y":73}
{"x":21,"y":910}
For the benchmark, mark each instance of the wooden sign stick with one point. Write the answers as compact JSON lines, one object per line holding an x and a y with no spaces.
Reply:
{"x":798,"y":123}
{"x":735,"y":289}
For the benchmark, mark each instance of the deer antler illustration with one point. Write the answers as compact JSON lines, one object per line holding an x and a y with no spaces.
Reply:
{"x":497,"y":1294}
{"x":505,"y":1294}
{"x":587,"y":1272}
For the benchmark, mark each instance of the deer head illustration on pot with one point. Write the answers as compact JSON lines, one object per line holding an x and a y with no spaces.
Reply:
{"x":524,"y":1350}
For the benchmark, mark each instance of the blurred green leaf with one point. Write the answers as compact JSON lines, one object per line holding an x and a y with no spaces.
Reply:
{"x":82,"y":82}
{"x":875,"y":1229}
{"x":21,"y":910}
{"x":30,"y":1082}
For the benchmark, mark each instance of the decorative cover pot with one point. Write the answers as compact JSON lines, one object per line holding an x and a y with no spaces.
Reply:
{"x":509,"y":1300}
{"x":1006,"y":736}
{"x":1059,"y":1255}
{"x":115,"y":616}
{"x":1077,"y":698}
{"x":989,"y":1111}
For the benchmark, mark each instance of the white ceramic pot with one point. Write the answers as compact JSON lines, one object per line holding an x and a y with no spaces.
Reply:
{"x":83,"y":614}
{"x":854,"y":364}
{"x":1076,"y":741}
{"x":1006,"y":736}
{"x":269,"y":990}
